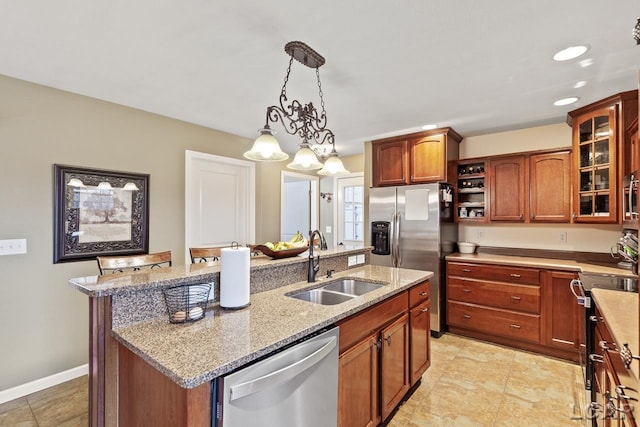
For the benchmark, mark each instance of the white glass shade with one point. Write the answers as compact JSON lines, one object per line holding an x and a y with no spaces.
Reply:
{"x":105,"y":186}
{"x":305,"y":159}
{"x":130,"y":186}
{"x":75,"y":182}
{"x":333,"y":166}
{"x":266,"y":148}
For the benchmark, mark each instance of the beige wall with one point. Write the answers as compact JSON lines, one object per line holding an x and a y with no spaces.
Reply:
{"x":580,"y":237}
{"x":44,"y":323}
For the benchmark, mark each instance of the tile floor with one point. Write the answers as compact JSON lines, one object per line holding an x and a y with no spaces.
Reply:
{"x":469,"y":383}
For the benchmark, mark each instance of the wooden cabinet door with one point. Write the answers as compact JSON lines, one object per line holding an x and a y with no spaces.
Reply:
{"x":508,"y":189}
{"x":358,"y":385}
{"x":394,"y":365}
{"x":419,"y":319}
{"x":390,"y":163}
{"x":428,"y":159}
{"x":561,"y":310}
{"x":634,"y":148}
{"x":595,"y":168}
{"x":550,"y":187}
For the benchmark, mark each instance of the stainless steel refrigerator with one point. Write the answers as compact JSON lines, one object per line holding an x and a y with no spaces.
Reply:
{"x":412,"y":227}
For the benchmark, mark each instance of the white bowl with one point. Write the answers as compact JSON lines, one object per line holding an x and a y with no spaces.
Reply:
{"x":466,"y":247}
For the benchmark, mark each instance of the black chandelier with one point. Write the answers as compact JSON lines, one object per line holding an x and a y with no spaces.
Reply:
{"x":299,"y":119}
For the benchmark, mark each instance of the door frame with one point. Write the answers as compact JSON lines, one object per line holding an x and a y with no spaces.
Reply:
{"x":338,"y":197}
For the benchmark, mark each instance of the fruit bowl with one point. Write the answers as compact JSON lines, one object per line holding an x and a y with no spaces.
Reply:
{"x":284,"y":253}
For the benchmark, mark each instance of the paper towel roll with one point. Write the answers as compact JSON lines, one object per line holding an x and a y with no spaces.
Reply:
{"x":234,"y":277}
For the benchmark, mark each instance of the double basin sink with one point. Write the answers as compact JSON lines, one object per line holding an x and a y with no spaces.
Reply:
{"x":336,"y":292}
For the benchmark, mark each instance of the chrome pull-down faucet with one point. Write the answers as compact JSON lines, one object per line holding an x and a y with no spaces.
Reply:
{"x":314,"y":265}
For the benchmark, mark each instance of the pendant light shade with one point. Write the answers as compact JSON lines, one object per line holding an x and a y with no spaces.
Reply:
{"x":305,"y":159}
{"x":333,"y":166}
{"x":266,"y":148}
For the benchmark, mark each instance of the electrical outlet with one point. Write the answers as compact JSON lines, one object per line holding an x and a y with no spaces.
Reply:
{"x":351,"y":261}
{"x":327,"y":229}
{"x":480,"y":234}
{"x":360,"y":259}
{"x":563,"y":237}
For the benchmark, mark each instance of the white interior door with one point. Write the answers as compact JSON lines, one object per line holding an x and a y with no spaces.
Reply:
{"x":298,"y":204}
{"x":220,"y":201}
{"x":349,"y":210}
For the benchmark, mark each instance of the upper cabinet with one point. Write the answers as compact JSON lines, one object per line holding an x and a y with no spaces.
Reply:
{"x":533,"y":187}
{"x":414,"y":159}
{"x":601,"y":151}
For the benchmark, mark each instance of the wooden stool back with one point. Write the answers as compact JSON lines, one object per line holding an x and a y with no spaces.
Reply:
{"x":118,"y":264}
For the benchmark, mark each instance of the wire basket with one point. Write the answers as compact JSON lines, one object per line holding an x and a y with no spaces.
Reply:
{"x":186,"y":303}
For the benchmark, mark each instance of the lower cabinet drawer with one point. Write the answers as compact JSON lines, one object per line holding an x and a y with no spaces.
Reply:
{"x":501,"y":295}
{"x":489,"y":320}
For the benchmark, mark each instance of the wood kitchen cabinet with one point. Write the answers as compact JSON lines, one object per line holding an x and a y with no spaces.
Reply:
{"x":394,"y":365}
{"x":601,"y":149}
{"x":616,"y":387}
{"x":471,"y":191}
{"x":514,"y":306}
{"x":508,"y":185}
{"x":376,"y":348}
{"x":414,"y":159}
{"x":420,"y":331}
{"x":563,"y":316}
{"x":532,"y":187}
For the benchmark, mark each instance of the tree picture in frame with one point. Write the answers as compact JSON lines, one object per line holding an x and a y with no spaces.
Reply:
{"x":99,"y":213}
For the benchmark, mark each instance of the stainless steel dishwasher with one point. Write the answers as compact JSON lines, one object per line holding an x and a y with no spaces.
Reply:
{"x":296,"y":387}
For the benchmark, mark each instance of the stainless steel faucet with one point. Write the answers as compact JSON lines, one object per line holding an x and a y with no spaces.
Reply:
{"x":314,"y":265}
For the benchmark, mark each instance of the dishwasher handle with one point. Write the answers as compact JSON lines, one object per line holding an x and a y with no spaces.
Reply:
{"x":282,"y":375}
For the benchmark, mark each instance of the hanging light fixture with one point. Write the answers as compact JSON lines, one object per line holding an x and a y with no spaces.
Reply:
{"x":299,"y":119}
{"x":636,"y":32}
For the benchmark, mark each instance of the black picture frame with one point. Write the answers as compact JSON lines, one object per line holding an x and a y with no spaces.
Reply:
{"x":99,"y":212}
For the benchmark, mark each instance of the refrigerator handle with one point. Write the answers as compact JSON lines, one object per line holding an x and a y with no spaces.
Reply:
{"x":397,"y":238}
{"x":392,"y":238}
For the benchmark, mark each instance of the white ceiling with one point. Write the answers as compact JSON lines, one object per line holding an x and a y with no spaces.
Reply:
{"x":392,"y":66}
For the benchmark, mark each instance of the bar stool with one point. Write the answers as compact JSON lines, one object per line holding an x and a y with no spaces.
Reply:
{"x":118,"y":264}
{"x":204,"y":254}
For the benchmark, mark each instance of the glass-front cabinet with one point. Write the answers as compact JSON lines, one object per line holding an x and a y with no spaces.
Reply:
{"x":602,"y":154}
{"x":595,"y":142}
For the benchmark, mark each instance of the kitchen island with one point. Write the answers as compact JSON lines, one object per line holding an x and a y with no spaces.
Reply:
{"x":131,"y":332}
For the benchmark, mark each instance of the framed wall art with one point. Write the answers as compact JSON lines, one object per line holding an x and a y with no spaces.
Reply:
{"x":99,"y":213}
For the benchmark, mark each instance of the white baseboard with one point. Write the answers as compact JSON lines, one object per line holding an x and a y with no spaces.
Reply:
{"x":42,"y":383}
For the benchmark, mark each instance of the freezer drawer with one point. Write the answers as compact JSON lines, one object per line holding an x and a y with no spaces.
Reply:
{"x":295,"y":387}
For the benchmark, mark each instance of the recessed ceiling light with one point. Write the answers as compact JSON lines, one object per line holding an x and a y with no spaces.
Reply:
{"x":586,"y":62}
{"x":570,"y":52}
{"x":580,"y":84}
{"x":429,"y":127}
{"x":566,"y":101}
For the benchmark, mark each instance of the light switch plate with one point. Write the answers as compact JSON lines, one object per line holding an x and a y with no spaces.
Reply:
{"x":327,"y":229}
{"x":360,"y":259}
{"x":352,"y":260}
{"x":13,"y":247}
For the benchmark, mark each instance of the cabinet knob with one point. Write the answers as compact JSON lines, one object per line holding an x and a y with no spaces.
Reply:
{"x":424,"y":310}
{"x":515,"y":276}
{"x":533,"y":216}
{"x":596,"y":358}
{"x":521,"y":216}
{"x":388,"y":340}
{"x":423,"y":294}
{"x":574,"y":216}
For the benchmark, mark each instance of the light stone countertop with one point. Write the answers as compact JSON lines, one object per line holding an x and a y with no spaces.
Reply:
{"x":111,"y":284}
{"x":620,"y":311}
{"x":191,"y":354}
{"x":549,"y":263}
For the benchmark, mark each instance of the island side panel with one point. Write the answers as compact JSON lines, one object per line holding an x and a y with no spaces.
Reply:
{"x":148,"y":398}
{"x":103,"y":365}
